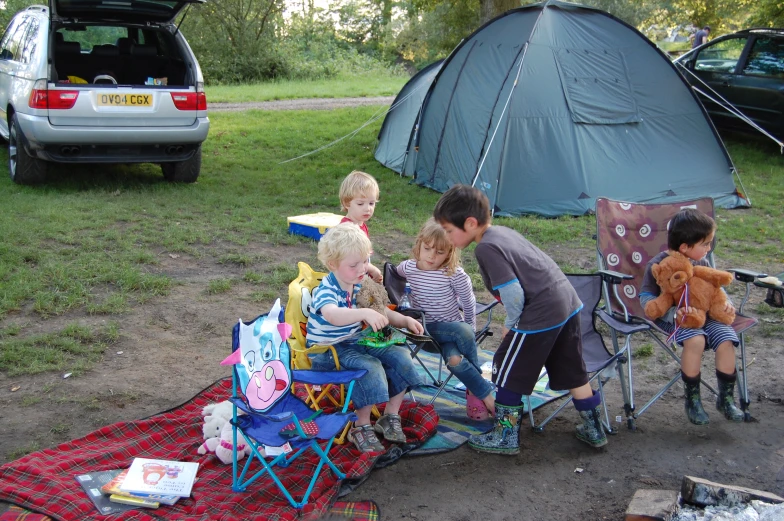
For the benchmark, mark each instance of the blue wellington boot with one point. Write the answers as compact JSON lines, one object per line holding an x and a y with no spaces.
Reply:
{"x":504,"y":438}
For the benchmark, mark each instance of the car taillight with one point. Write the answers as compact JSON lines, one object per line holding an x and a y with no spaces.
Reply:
{"x":189,"y":100}
{"x":53,"y":99}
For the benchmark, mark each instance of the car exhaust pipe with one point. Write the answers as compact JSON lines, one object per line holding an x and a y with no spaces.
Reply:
{"x":174,"y":150}
{"x":70,"y":151}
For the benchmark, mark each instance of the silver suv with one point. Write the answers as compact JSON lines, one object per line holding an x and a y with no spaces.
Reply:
{"x":101,"y":81}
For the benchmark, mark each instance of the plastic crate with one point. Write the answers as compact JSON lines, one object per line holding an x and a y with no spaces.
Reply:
{"x":313,"y":225}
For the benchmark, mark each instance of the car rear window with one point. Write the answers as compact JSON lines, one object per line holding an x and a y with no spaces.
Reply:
{"x":766,"y":58}
{"x":93,"y":35}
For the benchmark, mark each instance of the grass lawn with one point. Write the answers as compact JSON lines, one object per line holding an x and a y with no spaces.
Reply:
{"x":87,"y":242}
{"x":342,"y":87}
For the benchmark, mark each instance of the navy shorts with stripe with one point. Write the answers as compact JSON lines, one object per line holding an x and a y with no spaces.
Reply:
{"x":716,"y":332}
{"x":521,"y":356}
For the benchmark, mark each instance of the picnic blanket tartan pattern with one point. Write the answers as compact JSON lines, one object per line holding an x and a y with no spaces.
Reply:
{"x":354,"y":510}
{"x":44,"y":482}
{"x":15,"y":513}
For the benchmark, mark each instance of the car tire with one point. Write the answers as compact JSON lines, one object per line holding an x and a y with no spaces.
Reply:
{"x":183,"y":171}
{"x":23,"y":168}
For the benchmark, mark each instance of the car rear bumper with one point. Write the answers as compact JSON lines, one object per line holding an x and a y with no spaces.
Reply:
{"x":40,"y":134}
{"x":116,"y":153}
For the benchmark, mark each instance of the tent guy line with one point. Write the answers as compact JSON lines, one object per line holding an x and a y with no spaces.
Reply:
{"x":375,"y":117}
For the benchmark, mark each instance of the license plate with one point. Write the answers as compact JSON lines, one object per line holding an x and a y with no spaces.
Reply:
{"x":124,"y":100}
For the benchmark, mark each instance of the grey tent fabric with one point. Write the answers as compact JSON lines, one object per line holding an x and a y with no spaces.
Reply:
{"x":397,"y":131}
{"x":551,"y":105}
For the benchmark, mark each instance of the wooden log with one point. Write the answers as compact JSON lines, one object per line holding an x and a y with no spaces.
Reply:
{"x":702,"y":492}
{"x":652,"y":505}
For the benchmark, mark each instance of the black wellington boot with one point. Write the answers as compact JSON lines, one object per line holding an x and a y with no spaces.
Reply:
{"x":725,"y":403}
{"x":694,"y":410}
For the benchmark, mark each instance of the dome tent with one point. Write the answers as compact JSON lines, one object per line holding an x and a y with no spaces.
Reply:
{"x":551,"y":105}
{"x":397,"y":130}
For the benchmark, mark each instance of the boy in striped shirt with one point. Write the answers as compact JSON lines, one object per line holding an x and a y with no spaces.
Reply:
{"x":335,"y":320}
{"x":542,"y":327}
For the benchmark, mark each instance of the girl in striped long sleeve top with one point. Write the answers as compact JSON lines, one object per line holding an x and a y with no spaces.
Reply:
{"x":440,"y":287}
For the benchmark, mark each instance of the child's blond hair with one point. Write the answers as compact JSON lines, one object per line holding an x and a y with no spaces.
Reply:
{"x":340,"y":242}
{"x":357,"y":184}
{"x":434,"y":235}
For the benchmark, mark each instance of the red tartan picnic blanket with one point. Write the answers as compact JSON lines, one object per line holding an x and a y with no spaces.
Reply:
{"x":45,"y":482}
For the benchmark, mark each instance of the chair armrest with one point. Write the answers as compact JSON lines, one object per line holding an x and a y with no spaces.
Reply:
{"x":481,"y":308}
{"x":613,"y":277}
{"x":746,"y":275}
{"x":327,"y":377}
{"x":411,"y":312}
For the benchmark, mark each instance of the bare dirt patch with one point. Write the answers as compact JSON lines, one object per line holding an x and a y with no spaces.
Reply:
{"x":170,"y":347}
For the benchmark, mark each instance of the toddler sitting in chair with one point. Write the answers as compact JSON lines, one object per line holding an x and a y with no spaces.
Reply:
{"x":335,"y":320}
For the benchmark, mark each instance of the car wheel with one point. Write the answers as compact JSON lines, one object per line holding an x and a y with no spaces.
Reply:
{"x":183,"y":171}
{"x":23,"y":168}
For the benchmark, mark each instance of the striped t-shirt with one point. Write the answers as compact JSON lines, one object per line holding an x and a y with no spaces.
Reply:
{"x":320,"y":331}
{"x":440,"y":296}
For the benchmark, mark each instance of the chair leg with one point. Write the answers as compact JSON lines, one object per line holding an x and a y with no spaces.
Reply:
{"x":743,"y":381}
{"x":607,"y":424}
{"x":625,"y":377}
{"x":440,"y":388}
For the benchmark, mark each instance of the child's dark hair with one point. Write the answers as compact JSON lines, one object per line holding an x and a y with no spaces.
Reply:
{"x":461,"y":202}
{"x":689,"y":226}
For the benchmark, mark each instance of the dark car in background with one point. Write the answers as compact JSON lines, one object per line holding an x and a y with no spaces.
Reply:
{"x":747,"y":69}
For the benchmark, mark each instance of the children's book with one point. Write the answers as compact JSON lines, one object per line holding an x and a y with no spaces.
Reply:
{"x":92,"y":483}
{"x":113,"y":488}
{"x":155,"y":476}
{"x":133,"y":500}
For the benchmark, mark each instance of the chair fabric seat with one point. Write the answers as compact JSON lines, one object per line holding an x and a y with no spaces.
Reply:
{"x":622,"y":326}
{"x":266,"y":428}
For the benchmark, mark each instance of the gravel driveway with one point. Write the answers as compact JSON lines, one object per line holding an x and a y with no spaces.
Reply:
{"x":302,"y":104}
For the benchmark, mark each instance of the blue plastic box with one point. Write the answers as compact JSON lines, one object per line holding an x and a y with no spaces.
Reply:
{"x":313,"y":225}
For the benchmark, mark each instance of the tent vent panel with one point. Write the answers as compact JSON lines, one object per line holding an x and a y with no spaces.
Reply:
{"x":596,"y":86}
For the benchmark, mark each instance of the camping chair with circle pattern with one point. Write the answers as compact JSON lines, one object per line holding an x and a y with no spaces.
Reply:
{"x":269,"y":415}
{"x":629,"y":235}
{"x":395,"y":285}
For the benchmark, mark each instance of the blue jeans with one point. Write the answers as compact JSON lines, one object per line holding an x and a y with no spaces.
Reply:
{"x":390,"y":370}
{"x":457,"y":339}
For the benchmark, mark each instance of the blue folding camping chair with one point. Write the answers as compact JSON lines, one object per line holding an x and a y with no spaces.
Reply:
{"x":271,"y":416}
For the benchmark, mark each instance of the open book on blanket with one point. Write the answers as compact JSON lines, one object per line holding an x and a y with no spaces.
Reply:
{"x":155,"y":476}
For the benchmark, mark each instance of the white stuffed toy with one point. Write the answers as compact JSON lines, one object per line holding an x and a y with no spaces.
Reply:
{"x":223,"y":445}
{"x":215,"y":415}
{"x":220,"y":410}
{"x":212,"y":427}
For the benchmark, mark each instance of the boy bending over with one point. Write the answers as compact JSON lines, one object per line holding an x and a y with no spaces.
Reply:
{"x":542,"y":326}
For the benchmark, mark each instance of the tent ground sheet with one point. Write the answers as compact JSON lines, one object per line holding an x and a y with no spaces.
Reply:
{"x":44,"y":482}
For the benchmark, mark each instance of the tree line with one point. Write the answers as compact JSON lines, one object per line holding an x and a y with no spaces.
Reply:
{"x":252,"y":40}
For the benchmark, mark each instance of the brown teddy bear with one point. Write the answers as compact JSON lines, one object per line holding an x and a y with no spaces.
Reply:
{"x":373,"y":295}
{"x":705,"y":294}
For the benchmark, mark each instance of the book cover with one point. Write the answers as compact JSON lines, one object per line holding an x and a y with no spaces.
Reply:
{"x":113,"y":487}
{"x":92,"y":482}
{"x":135,"y":501}
{"x":155,"y":476}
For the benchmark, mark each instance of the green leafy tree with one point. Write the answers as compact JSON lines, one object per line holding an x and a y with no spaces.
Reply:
{"x":9,"y":8}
